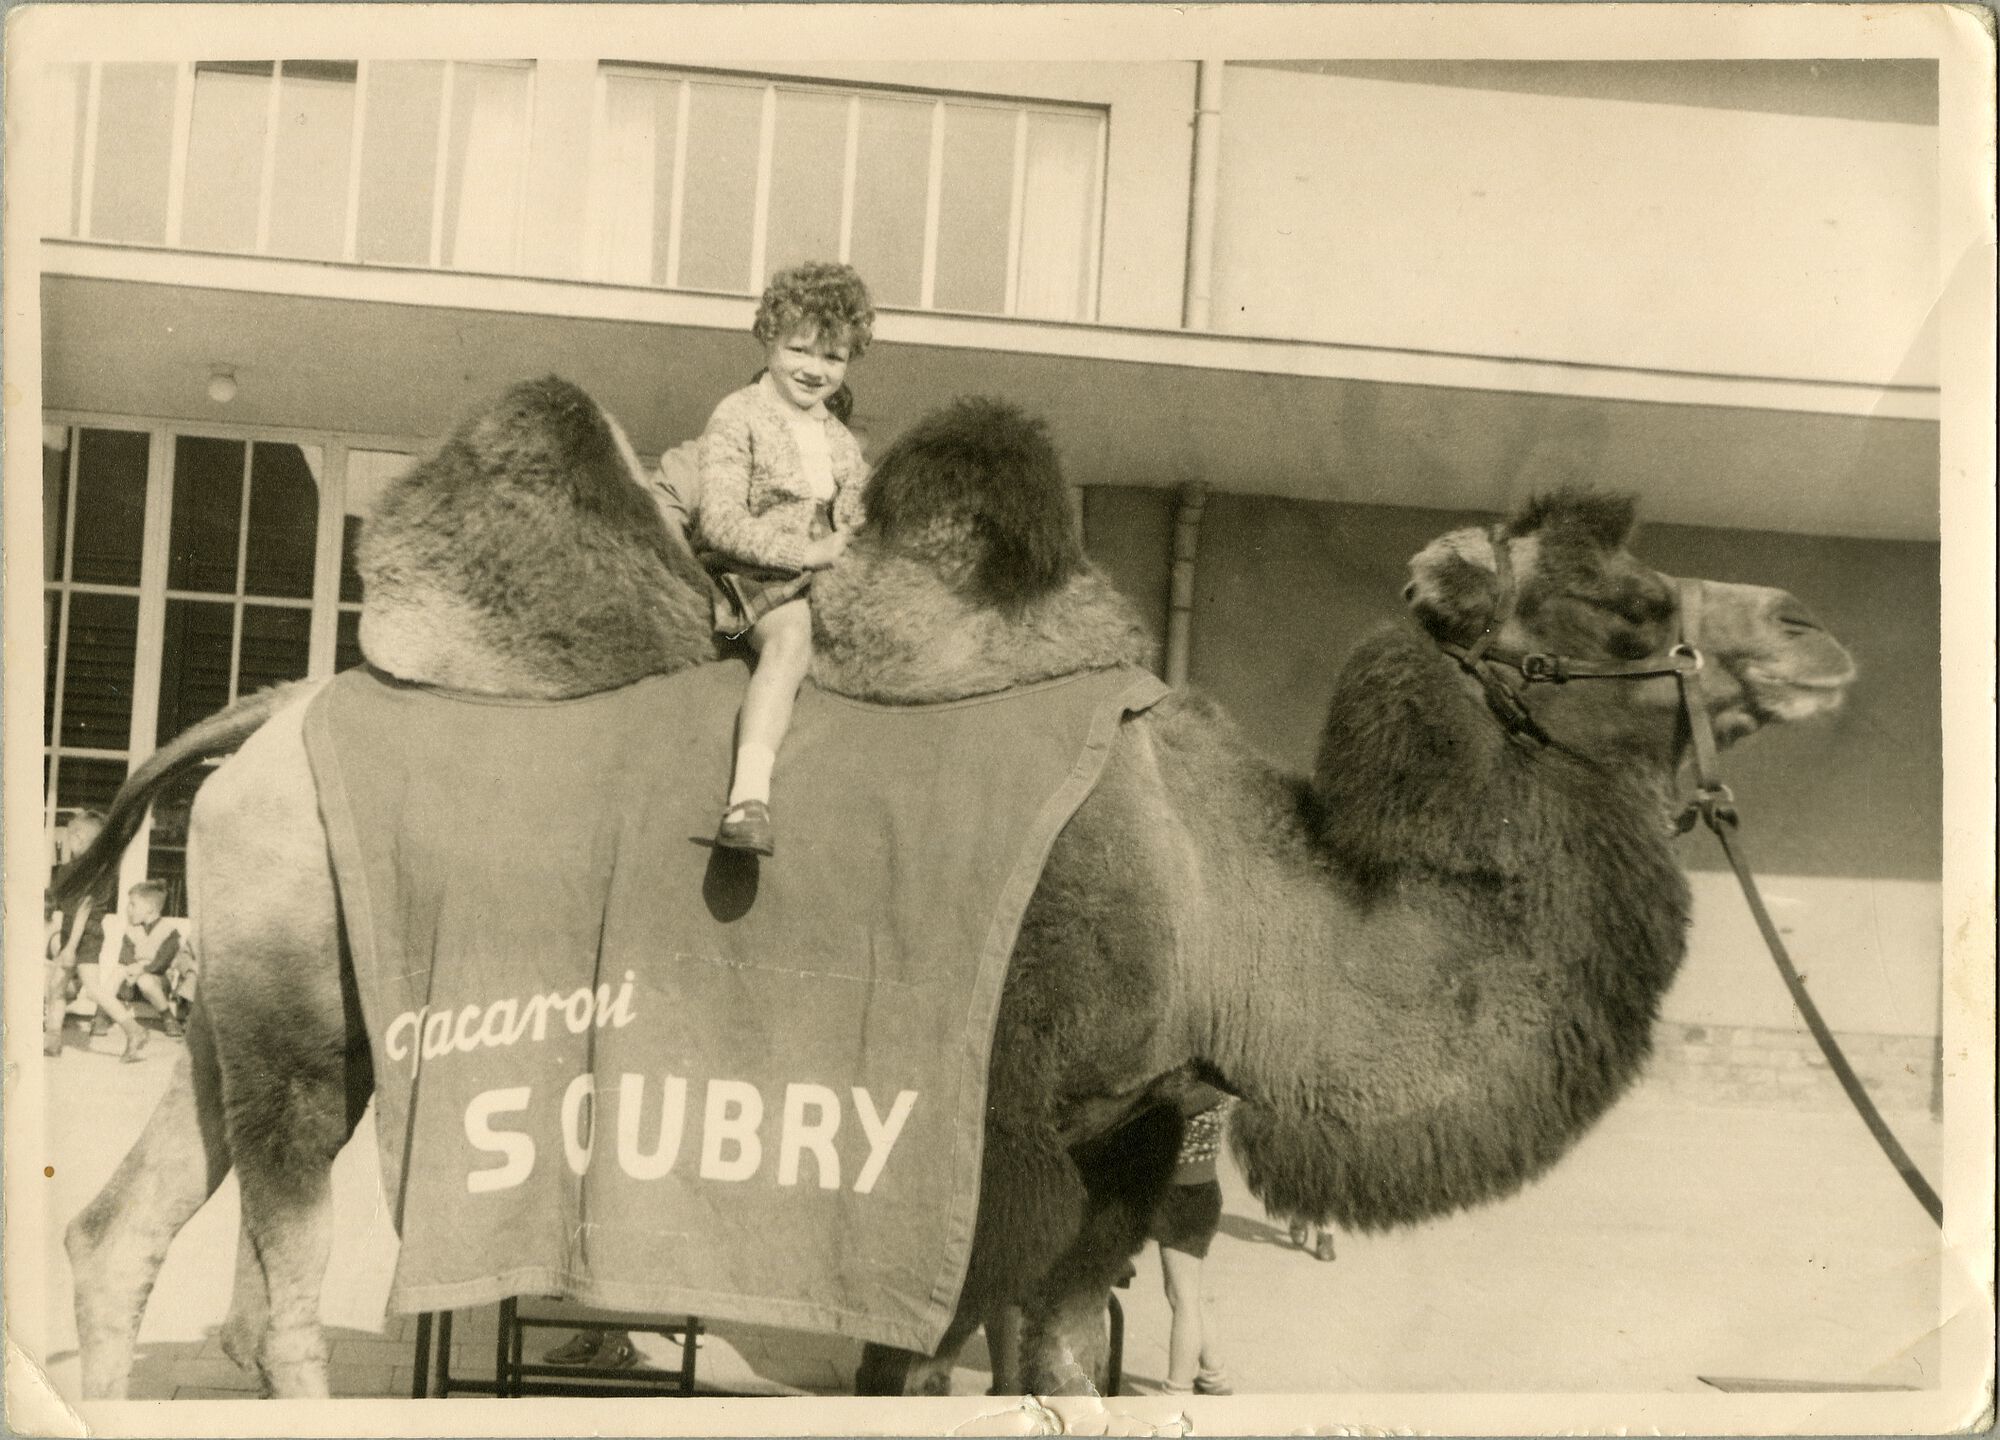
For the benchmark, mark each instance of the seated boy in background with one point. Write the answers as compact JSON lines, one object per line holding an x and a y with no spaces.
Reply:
{"x":152,"y":945}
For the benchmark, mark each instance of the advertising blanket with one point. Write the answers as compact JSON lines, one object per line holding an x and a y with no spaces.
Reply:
{"x":616,"y":1064}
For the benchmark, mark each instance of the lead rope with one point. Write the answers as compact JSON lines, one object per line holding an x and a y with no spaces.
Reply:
{"x":1716,"y":807}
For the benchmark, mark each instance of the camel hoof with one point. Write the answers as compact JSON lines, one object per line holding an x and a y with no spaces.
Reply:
{"x":241,"y":1348}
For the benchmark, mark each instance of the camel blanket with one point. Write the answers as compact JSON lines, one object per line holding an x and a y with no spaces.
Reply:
{"x":618,"y":1065}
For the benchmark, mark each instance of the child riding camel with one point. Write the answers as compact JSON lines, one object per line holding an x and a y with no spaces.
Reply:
{"x":781,"y":482}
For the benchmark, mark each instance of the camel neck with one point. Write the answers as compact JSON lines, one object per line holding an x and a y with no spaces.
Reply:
{"x":1416,"y":778}
{"x":1472,"y":974}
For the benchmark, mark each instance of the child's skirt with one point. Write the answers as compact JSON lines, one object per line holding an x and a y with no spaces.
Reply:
{"x":745,"y":594}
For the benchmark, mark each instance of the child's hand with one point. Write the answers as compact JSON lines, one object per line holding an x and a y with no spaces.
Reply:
{"x":824,"y":551}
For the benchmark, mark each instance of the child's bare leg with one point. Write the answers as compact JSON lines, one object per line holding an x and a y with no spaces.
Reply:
{"x":154,"y":991}
{"x":103,"y":988}
{"x":783,"y":642}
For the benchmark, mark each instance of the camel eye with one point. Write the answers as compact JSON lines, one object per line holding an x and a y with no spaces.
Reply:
{"x":1634,"y":612}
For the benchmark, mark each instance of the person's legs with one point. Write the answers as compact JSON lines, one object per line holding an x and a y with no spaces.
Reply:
{"x":601,"y":1349}
{"x":783,"y":642}
{"x":1185,"y":1346}
{"x":103,"y":988}
{"x":1209,"y":1376}
{"x":155,"y":991}
{"x":55,"y":1001}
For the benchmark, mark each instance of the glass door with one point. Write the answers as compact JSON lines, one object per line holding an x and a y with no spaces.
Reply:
{"x":94,"y":493}
{"x":243,"y":519}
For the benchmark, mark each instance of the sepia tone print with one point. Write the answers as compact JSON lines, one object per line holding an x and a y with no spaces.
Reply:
{"x":1011,"y":717}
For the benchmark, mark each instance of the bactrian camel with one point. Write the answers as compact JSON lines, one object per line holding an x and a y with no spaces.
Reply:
{"x":1426,"y":969}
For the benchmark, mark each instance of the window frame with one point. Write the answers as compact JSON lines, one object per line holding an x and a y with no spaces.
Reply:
{"x":152,"y":590}
{"x":349,"y":223}
{"x":682,"y":77}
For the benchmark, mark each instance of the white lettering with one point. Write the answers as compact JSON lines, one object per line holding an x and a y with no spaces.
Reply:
{"x":731,"y":1117}
{"x":621,"y":1008}
{"x":498,"y":1029}
{"x":424,"y":1034}
{"x":797,"y":1135}
{"x":518,"y":1149}
{"x":631,"y":1107}
{"x":437,"y":1035}
{"x":578,"y":1125}
{"x":415,"y":1020}
{"x":881,"y":1133}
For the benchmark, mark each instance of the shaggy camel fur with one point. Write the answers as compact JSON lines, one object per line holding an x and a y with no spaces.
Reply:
{"x":1426,"y":971}
{"x":521,"y":560}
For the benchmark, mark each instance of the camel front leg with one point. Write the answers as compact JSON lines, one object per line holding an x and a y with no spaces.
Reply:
{"x":1065,"y":1331}
{"x":118,"y":1242}
{"x":885,"y":1370}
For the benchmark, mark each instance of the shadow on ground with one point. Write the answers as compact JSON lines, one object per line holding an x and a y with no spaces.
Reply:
{"x":1255,"y":1232}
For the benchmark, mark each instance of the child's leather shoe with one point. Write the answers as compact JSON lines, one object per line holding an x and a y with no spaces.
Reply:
{"x":746,"y":825}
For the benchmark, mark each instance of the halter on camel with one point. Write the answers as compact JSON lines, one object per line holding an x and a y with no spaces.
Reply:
{"x":1712,"y":802}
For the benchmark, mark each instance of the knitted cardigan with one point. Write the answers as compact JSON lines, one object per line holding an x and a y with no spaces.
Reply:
{"x":756,"y":506}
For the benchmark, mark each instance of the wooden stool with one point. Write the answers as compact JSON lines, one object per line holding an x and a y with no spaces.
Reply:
{"x":513,"y":1375}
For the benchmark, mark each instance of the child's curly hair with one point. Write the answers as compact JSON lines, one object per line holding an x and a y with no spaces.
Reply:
{"x":830,"y":298}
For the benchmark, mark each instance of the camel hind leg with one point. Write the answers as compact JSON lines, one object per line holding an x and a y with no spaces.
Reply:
{"x":293,"y":1054}
{"x":119,"y":1241}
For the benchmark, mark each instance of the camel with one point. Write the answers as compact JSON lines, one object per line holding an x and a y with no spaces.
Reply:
{"x":1425,"y":970}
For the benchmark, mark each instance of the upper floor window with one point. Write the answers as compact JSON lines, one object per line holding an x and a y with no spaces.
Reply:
{"x":410,"y":162}
{"x":712,"y":182}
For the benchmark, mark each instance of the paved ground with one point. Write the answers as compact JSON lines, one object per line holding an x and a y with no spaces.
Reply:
{"x":1675,"y":1243}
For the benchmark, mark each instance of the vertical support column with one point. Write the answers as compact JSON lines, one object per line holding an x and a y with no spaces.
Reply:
{"x":1180,"y":596}
{"x":1202,"y":195}
{"x":143,"y":737}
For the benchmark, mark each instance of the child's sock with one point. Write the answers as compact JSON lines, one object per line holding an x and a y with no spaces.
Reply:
{"x":753,"y":774}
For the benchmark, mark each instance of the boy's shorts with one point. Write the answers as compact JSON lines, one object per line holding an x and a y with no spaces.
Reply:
{"x":1187,"y":1218}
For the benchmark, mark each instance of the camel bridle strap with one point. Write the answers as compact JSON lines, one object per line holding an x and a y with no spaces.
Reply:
{"x":1483,"y":659}
{"x":1715,"y":807}
{"x":1712,"y":802}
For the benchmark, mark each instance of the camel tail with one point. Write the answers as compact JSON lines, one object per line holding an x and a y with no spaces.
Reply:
{"x":219,"y":734}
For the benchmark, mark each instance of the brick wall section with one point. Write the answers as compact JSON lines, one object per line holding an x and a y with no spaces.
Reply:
{"x":1754,"y":1066}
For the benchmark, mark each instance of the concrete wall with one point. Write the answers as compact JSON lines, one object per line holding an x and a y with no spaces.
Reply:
{"x":1444,"y":213}
{"x":1843,"y":817}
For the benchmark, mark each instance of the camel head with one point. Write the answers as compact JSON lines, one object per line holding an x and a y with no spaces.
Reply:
{"x":525,"y":557}
{"x":975,"y":492}
{"x":1580,"y":594}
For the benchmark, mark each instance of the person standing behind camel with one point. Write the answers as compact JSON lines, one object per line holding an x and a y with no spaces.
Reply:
{"x":781,"y":486}
{"x":1185,"y":1223}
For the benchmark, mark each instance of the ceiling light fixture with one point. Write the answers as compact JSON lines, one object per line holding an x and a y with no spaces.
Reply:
{"x":222,"y":383}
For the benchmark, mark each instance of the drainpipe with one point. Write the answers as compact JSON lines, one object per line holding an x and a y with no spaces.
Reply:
{"x":1195,"y":316}
{"x":1180,"y":596}
{"x":1202,"y":194}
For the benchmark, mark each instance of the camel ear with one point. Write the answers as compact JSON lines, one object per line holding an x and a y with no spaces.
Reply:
{"x":1453,"y":589}
{"x":1606,"y":519}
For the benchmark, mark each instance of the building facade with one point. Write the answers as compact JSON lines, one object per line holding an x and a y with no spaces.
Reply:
{"x":1418,"y":291}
